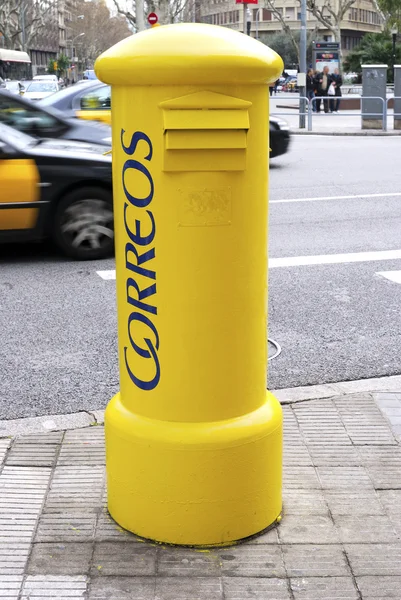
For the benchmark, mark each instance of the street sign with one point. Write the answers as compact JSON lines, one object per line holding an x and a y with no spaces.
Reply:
{"x":326,"y":45}
{"x":152,"y":19}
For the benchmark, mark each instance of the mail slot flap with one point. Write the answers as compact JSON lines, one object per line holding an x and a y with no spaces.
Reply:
{"x":209,"y":139}
{"x":203,"y":100}
{"x":206,"y":119}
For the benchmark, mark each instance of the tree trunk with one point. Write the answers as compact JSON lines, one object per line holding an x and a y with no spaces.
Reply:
{"x":140,"y":15}
{"x":163,"y":12}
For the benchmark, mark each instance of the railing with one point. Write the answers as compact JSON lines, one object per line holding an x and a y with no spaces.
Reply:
{"x":306,"y":109}
{"x":357,"y":89}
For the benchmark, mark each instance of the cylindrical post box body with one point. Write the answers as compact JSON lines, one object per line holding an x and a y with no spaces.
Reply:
{"x":193,"y":441}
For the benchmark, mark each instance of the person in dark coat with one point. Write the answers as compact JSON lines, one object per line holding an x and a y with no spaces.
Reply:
{"x":310,"y":88}
{"x":337,"y":81}
{"x":323,"y":81}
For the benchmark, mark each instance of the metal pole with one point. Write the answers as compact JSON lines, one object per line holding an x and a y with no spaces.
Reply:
{"x":245,"y":26}
{"x":394,"y":42}
{"x":257,"y":24}
{"x":302,"y":65}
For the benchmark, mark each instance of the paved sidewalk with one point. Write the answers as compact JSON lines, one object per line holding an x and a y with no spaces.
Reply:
{"x":340,"y":536}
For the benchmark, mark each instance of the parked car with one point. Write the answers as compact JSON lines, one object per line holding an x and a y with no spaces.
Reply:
{"x":29,"y":117}
{"x":90,"y":74}
{"x":290,"y":84}
{"x":14,"y":87}
{"x":36,"y":90}
{"x":279,"y":137}
{"x":56,"y":188}
{"x":92,"y":100}
{"x":45,"y":78}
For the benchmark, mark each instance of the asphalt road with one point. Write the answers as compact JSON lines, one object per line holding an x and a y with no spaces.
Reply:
{"x":334,"y":322}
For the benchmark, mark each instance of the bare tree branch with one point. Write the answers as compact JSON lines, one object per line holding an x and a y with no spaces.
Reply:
{"x":278,"y":13}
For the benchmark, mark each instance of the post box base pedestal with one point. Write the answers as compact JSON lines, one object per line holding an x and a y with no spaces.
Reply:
{"x":194,"y":483}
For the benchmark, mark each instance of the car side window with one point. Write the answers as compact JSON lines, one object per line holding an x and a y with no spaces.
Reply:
{"x":99,"y":99}
{"x":27,"y":119}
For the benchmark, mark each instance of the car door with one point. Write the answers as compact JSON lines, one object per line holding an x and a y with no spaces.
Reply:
{"x":19,"y":190}
{"x":94,"y":104}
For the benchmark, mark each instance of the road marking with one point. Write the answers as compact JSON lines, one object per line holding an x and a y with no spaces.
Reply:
{"x":322,"y":198}
{"x":323,"y":259}
{"x":391,"y":275}
{"x":334,"y":259}
{"x":107,"y":274}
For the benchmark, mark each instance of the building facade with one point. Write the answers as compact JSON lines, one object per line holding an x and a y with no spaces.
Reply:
{"x":44,"y":46}
{"x":360,"y":19}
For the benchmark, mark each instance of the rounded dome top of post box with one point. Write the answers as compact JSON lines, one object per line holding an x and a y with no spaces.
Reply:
{"x":188,"y":53}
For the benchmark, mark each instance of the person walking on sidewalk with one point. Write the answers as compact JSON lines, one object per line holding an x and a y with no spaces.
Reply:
{"x":310,"y":88}
{"x":337,"y":81}
{"x":323,"y":81}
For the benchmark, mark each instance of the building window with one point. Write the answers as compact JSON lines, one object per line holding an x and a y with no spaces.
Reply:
{"x":290,"y":13}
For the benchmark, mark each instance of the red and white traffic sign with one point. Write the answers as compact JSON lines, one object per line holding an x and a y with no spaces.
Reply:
{"x":152,"y":19}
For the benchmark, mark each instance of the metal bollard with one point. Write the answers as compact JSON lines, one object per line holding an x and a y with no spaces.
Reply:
{"x":193,"y":440}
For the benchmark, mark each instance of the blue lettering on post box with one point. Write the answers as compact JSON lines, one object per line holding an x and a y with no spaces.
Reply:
{"x":139,"y":251}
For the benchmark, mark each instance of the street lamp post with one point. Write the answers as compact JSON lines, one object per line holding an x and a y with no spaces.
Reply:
{"x":394,"y":32}
{"x":257,"y":22}
{"x":72,"y":47}
{"x":72,"y":43}
{"x":302,"y":66}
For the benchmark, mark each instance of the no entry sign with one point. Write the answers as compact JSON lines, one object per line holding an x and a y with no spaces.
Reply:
{"x":152,"y":19}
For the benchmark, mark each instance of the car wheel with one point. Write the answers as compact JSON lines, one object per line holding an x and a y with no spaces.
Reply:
{"x":83,"y":224}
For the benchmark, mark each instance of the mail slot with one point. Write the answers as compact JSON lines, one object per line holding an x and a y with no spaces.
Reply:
{"x":211,"y":127}
{"x":193,"y":439}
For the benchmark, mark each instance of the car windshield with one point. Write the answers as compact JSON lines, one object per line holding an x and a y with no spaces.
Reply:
{"x":64,"y":93}
{"x":42,"y":86}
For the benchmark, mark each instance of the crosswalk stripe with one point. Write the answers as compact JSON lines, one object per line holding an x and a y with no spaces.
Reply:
{"x":394,"y":276}
{"x":107,"y":274}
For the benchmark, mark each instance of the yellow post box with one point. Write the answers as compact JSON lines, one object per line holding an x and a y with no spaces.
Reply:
{"x":193,"y":440}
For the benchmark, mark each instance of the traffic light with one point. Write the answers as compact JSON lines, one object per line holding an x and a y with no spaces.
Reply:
{"x":55,"y":65}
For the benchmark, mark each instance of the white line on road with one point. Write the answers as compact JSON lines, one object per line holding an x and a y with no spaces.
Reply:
{"x":321,"y":198}
{"x":323,"y":259}
{"x":391,"y":275}
{"x":334,"y":259}
{"x":107,"y":274}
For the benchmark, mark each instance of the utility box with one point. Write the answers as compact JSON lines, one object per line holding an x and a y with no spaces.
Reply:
{"x":193,"y":440}
{"x":397,"y":96}
{"x":374,"y":85}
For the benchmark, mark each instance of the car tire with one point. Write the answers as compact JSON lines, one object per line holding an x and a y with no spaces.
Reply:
{"x":83,"y":224}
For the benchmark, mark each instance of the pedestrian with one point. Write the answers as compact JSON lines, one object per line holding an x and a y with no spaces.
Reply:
{"x":323,"y":81}
{"x":338,"y":81}
{"x":276,"y":83}
{"x":310,"y":88}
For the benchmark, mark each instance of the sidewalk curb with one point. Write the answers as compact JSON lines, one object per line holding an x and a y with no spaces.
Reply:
{"x":346,"y":133}
{"x":48,"y":423}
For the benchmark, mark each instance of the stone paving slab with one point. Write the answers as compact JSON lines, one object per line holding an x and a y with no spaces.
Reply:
{"x":379,"y":588}
{"x":375,"y":559}
{"x":324,"y":588}
{"x":340,"y":536}
{"x":255,"y":588}
{"x":39,"y":587}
